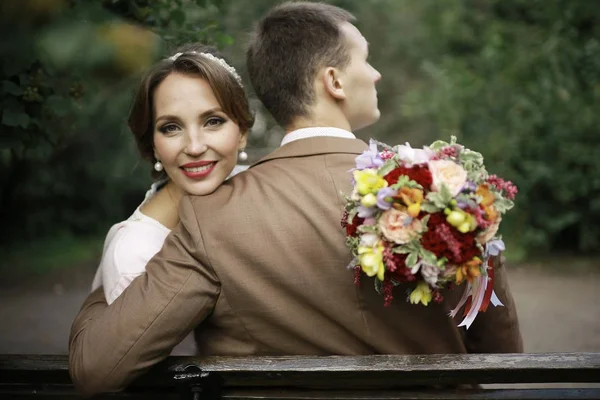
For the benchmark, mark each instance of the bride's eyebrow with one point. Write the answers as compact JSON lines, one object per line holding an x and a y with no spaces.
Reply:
{"x":165,"y":117}
{"x":170,"y":117}
{"x":211,"y":111}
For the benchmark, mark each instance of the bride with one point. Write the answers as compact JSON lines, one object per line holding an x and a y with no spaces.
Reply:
{"x":190,"y":119}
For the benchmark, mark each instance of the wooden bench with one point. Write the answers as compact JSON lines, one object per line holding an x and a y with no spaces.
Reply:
{"x":314,"y":378}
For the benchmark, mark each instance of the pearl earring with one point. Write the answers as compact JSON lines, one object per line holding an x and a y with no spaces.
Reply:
{"x":158,"y":166}
{"x":243,"y":156}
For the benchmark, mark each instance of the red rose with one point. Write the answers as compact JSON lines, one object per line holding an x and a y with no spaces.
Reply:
{"x":418,"y":173}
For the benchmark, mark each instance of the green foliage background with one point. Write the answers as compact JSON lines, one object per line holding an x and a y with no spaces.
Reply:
{"x":518,"y":80}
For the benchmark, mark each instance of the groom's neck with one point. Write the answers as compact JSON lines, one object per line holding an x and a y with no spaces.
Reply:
{"x":321,"y":117}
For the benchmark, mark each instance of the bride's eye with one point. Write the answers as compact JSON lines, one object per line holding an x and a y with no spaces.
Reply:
{"x":169,"y":128}
{"x":215,"y":121}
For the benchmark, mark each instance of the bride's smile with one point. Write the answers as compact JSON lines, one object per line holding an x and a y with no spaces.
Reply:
{"x":199,"y":169}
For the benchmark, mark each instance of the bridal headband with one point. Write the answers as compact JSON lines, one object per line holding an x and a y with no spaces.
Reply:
{"x":218,"y":60}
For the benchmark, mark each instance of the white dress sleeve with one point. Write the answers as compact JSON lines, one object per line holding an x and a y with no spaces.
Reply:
{"x":128,"y":248}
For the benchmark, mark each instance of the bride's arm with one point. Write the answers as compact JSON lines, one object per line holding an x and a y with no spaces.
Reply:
{"x":111,"y":345}
{"x":125,"y":257}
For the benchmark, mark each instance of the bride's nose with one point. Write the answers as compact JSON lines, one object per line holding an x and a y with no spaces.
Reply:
{"x":195,"y":144}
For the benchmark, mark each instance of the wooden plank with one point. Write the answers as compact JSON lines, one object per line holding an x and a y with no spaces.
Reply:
{"x":340,"y":372}
{"x":496,"y":394}
{"x":504,"y":394}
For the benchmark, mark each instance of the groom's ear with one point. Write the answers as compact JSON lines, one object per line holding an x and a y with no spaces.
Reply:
{"x":332,"y":81}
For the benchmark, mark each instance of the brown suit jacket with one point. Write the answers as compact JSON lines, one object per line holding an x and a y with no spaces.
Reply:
{"x":258,"y":267}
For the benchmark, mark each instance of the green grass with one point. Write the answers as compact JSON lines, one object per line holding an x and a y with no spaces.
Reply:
{"x":45,"y":255}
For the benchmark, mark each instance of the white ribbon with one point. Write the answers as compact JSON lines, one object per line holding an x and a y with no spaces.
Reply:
{"x":477,"y":291}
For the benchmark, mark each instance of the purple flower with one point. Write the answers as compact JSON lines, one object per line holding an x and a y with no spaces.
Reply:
{"x":494,"y":247}
{"x":461,"y":204}
{"x":369,"y":158}
{"x":469,"y":187}
{"x":382,"y":198}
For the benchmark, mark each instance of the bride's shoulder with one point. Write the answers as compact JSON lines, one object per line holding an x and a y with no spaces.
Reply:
{"x":161,"y":208}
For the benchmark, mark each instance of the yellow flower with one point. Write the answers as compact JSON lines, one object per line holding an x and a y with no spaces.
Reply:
{"x":369,"y":200}
{"x":421,"y":294}
{"x":487,"y":202}
{"x":371,"y":260}
{"x":368,"y":181}
{"x":461,"y":220}
{"x":469,"y":270}
{"x":412,"y":199}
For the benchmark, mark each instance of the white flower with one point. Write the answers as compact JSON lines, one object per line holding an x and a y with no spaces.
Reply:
{"x":369,"y":239}
{"x":428,"y":272}
{"x":413,"y":156}
{"x":448,"y":173}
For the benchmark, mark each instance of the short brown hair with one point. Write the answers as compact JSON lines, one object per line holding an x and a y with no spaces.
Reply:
{"x":229,"y":93}
{"x":288,"y":47}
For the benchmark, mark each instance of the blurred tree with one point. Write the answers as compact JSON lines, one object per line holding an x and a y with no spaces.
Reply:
{"x":518,"y":80}
{"x":67,"y":163}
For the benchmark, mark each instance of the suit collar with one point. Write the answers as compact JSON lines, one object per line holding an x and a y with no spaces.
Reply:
{"x":315,"y":146}
{"x":327,"y":131}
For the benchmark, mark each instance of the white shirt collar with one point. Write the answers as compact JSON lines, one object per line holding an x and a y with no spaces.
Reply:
{"x":306,"y":133}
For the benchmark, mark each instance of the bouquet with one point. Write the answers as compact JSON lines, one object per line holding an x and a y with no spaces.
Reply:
{"x":427,"y":217}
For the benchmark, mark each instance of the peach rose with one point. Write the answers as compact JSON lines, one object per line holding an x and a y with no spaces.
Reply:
{"x":449,"y":173}
{"x":488,"y":234}
{"x":399,"y":227}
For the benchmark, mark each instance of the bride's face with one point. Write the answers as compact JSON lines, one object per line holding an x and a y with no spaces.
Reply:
{"x":196,"y":142}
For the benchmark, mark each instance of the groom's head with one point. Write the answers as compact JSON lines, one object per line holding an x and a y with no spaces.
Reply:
{"x":307,"y":58}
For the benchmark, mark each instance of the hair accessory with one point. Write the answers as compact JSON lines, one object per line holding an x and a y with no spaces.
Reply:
{"x":218,"y":60}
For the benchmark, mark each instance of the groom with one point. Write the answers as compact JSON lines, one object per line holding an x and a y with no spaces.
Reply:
{"x":258,"y":267}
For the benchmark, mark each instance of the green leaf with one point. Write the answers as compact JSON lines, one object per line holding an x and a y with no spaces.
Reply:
{"x":428,"y":256}
{"x":404,"y":180}
{"x":438,"y":144}
{"x":368,"y":228}
{"x":401,"y":250}
{"x":225,"y":40}
{"x":411,"y":260}
{"x":377,"y":285}
{"x":178,"y":16}
{"x":387,"y":167}
{"x":430,"y":207}
{"x":471,"y":156}
{"x":15,"y":116}
{"x":12,"y":88}
{"x":503,"y":204}
{"x":440,"y":199}
{"x":61,"y":106}
{"x":445,"y":193}
{"x":352,"y":242}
